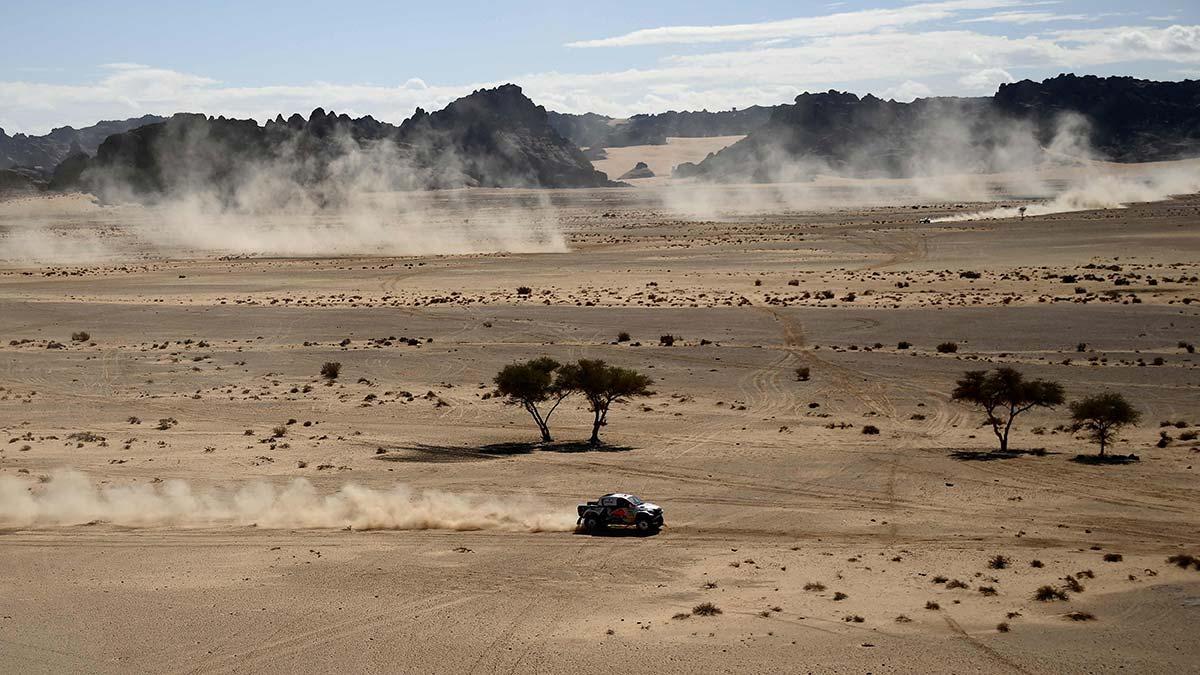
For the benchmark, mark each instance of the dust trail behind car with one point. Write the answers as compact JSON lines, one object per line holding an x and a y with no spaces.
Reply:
{"x":69,"y":497}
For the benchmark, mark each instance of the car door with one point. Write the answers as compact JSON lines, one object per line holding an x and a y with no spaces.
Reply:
{"x":622,"y":511}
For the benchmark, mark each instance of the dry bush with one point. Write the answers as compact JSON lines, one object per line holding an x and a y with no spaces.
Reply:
{"x":817,"y":587}
{"x":1049,"y":593}
{"x":1002,"y":627}
{"x":1113,"y":557}
{"x":706,"y":609}
{"x":1080,"y":616}
{"x":947,"y":348}
{"x":999,"y":562}
{"x":80,"y":336}
{"x":932,"y":605}
{"x":330,"y":370}
{"x":839,"y":596}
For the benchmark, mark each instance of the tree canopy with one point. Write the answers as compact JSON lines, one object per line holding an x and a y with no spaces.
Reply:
{"x":531,"y":384}
{"x":1003,"y":394}
{"x":1103,"y":415}
{"x":602,"y":385}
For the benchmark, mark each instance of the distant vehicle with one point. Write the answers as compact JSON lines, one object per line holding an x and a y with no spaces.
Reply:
{"x":619,"y":508}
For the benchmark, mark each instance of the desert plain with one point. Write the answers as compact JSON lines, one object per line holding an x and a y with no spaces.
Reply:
{"x":826,"y":549}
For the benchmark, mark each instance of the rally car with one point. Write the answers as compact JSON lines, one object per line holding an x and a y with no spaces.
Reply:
{"x":619,"y":508}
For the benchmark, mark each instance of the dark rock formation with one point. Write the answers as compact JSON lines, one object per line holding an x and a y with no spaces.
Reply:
{"x":639,"y":170}
{"x":492,"y":138}
{"x":17,"y":184}
{"x":592,"y":130}
{"x":43,"y":153}
{"x":1119,"y":118}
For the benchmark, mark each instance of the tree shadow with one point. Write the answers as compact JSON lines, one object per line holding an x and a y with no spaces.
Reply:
{"x":1106,"y":459}
{"x":432,"y":453}
{"x":993,"y":455}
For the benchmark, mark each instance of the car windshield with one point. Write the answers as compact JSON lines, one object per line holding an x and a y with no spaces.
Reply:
{"x":635,"y":501}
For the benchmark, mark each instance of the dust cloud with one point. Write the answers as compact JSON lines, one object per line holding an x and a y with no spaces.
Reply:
{"x":70,"y":497}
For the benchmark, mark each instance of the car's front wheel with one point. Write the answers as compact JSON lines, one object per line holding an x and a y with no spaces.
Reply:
{"x":592,"y":524}
{"x":644,"y":526}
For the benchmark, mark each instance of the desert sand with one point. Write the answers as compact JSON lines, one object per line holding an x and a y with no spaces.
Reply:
{"x":825,"y":548}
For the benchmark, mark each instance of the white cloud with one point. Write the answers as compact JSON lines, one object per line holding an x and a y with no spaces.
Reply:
{"x":943,"y":62}
{"x":842,"y":23}
{"x":986,"y":80}
{"x":906,"y":91}
{"x":1030,"y":17}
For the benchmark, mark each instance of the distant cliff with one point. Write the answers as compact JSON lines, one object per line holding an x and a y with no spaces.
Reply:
{"x":491,"y":138}
{"x":43,"y":153}
{"x":1117,"y":118}
{"x":598,"y":131}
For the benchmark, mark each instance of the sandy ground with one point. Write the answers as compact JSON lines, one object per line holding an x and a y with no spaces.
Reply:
{"x":661,"y":159}
{"x":777,"y":503}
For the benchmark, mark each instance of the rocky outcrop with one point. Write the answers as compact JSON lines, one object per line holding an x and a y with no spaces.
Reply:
{"x":639,"y":170}
{"x":492,"y":138}
{"x":43,"y":153}
{"x":1119,"y":118}
{"x":592,"y":130}
{"x":17,"y":184}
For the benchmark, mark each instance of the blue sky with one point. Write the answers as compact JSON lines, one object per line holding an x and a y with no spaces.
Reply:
{"x":76,"y":62}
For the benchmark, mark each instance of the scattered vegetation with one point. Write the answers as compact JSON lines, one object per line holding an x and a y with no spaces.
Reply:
{"x":706,"y":609}
{"x":803,"y":373}
{"x":1080,"y":616}
{"x":1049,"y":593}
{"x":602,"y":385}
{"x":999,"y":562}
{"x":1185,"y":560}
{"x":817,"y":587}
{"x":931,"y":605}
{"x":870,"y":430}
{"x":330,"y":370}
{"x":838,"y":596}
{"x":1002,"y":627}
{"x":80,"y":336}
{"x":947,"y":348}
{"x":1113,"y":557}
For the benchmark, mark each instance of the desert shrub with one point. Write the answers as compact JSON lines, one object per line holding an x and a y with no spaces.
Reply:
{"x":1081,"y":616}
{"x":816,"y":586}
{"x":330,"y":370}
{"x":955,"y":583}
{"x":939,"y":579}
{"x":987,"y":590}
{"x":839,"y":596}
{"x":279,"y":431}
{"x":947,"y":348}
{"x":1184,"y":560}
{"x":81,"y":336}
{"x":706,"y":609}
{"x":1187,"y":436}
{"x":853,"y":618}
{"x":903,"y":344}
{"x":666,"y":340}
{"x":681,"y":616}
{"x":803,"y":373}
{"x":1036,"y":563}
{"x":1113,"y":557}
{"x":1002,"y":627}
{"x":1081,"y":347}
{"x":931,"y":605}
{"x":903,"y":619}
{"x":1049,"y":593}
{"x":524,"y":290}
{"x":870,"y":430}
{"x":623,"y":337}
{"x":166,"y":423}
{"x":999,"y":562}
{"x":1073,"y":584}
{"x":134,"y":420}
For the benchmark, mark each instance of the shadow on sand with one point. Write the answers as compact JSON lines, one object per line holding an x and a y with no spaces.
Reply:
{"x":423,"y":452}
{"x":993,"y":455}
{"x":1106,"y":459}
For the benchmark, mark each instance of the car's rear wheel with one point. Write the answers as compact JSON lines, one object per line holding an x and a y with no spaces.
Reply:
{"x":592,"y":524}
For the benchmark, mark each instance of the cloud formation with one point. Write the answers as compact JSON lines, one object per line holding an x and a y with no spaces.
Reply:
{"x":953,"y":47}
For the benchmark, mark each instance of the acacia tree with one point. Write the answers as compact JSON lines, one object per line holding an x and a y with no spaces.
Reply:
{"x":602,"y":385}
{"x":530,"y":385}
{"x":1003,"y":394}
{"x":1103,"y":415}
